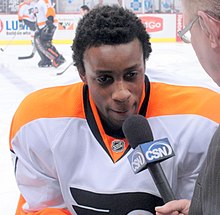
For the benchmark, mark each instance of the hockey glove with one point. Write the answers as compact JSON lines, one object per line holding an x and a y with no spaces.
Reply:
{"x":47,"y":32}
{"x":37,"y":33}
{"x":49,"y":23}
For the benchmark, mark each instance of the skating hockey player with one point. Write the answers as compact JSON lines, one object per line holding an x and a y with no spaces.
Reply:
{"x":45,"y":15}
{"x":26,"y":16}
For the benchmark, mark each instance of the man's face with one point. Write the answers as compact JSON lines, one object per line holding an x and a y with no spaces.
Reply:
{"x":115,"y":77}
{"x":83,"y":12}
{"x":195,"y":31}
{"x":200,"y":41}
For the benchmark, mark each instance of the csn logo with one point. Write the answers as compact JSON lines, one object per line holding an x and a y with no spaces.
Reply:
{"x":158,"y":150}
{"x":137,"y":161}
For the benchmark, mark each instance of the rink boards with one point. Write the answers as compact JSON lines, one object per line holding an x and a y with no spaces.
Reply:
{"x":161,"y":27}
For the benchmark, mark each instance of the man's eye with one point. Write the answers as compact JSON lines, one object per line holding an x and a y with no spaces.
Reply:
{"x":131,"y":75}
{"x":104,"y":79}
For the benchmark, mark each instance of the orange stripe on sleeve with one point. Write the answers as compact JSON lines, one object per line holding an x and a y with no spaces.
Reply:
{"x":19,"y":9}
{"x":46,"y":211}
{"x":50,"y":12}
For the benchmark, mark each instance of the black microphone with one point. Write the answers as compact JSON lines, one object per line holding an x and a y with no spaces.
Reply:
{"x":148,"y":153}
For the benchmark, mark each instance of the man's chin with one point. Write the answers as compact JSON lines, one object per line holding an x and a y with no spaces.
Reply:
{"x":117,"y":123}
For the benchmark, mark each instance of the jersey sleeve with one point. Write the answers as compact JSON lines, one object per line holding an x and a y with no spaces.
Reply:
{"x":20,"y":11}
{"x":33,"y":161}
{"x":36,"y":177}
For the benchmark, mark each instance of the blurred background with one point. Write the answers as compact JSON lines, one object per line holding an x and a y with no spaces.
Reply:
{"x":73,"y":6}
{"x":162,"y":18}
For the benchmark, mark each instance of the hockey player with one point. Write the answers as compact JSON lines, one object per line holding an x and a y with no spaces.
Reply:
{"x":45,"y":14}
{"x":84,"y":9}
{"x":67,"y":144}
{"x":26,"y":16}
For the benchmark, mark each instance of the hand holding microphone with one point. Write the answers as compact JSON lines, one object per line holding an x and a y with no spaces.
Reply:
{"x":147,"y":153}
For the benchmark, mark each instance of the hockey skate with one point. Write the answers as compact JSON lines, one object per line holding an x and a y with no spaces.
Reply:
{"x":44,"y":63}
{"x":58,"y":61}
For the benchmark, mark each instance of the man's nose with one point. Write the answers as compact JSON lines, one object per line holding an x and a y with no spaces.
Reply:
{"x":121,"y":92}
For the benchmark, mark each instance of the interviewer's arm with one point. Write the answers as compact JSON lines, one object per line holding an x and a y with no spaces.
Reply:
{"x":176,"y":207}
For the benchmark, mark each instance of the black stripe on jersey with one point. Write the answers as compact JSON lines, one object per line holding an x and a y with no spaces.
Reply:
{"x":91,"y":119}
{"x":143,"y":109}
{"x":12,"y":151}
{"x":15,"y":161}
{"x":91,"y":203}
{"x":92,"y":122}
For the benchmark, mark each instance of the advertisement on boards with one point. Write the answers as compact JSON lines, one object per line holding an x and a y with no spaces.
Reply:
{"x":161,"y":27}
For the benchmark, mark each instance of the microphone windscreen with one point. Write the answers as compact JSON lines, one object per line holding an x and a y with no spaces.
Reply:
{"x":137,"y":130}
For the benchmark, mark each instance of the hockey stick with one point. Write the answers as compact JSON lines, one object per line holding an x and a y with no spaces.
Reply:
{"x":9,"y":43}
{"x":60,"y":73}
{"x":29,"y":56}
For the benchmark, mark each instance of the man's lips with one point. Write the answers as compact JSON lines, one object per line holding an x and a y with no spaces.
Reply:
{"x":121,"y":114}
{"x":123,"y":109}
{"x":120,"y":111}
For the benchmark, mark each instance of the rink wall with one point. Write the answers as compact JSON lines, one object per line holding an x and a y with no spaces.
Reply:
{"x":161,"y":27}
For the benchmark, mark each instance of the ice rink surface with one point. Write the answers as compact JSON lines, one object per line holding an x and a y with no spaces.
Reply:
{"x":20,"y":77}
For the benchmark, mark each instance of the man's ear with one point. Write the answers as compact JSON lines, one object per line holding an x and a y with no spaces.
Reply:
{"x":82,"y":74}
{"x":211,"y":28}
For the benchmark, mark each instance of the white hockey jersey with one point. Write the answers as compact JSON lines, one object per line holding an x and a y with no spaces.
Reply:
{"x":26,"y":11}
{"x":64,"y":159}
{"x":43,"y":9}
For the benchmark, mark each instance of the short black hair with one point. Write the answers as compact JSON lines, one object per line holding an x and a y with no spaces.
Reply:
{"x":108,"y":25}
{"x":85,"y":7}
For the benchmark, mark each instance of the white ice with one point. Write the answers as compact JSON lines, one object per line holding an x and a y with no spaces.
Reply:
{"x":20,"y":77}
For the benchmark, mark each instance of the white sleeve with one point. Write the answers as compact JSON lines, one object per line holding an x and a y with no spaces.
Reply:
{"x":34,"y":169}
{"x":21,"y":11}
{"x":44,"y":7}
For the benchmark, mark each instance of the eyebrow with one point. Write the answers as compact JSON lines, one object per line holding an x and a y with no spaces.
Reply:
{"x":99,"y":72}
{"x":132,"y":67}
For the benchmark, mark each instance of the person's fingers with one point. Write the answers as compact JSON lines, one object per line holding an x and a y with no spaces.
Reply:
{"x":175,"y":207}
